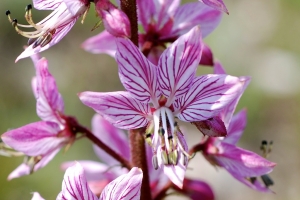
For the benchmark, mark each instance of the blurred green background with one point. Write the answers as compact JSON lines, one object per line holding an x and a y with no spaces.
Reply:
{"x":259,"y":39}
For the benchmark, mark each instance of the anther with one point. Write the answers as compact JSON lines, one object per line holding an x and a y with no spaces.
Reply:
{"x":252,"y":179}
{"x":14,"y":23}
{"x":264,"y":142}
{"x":28,"y":7}
{"x":31,"y":41}
{"x":155,"y":162}
{"x":161,"y":131}
{"x":267,"y":180}
{"x":7,"y":12}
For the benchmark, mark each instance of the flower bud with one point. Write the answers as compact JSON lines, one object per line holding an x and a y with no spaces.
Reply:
{"x":115,"y":21}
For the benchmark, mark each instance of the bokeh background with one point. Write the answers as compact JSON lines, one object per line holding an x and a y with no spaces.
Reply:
{"x":259,"y":39}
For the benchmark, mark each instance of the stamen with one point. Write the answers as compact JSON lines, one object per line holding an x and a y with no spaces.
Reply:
{"x":155,"y":162}
{"x":267,"y":180}
{"x":164,"y":155}
{"x":28,"y":17}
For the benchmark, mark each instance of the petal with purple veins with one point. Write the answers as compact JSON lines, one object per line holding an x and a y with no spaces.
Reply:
{"x":119,"y":108}
{"x":46,"y":4}
{"x":216,"y":4}
{"x":75,"y":186}
{"x":35,"y":139}
{"x":178,"y":63}
{"x":208,"y":95}
{"x":137,"y":73}
{"x":127,"y":186}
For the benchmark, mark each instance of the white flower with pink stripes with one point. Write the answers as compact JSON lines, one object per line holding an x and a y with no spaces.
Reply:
{"x":157,"y":95}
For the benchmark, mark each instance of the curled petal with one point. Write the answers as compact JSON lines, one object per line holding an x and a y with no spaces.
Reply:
{"x":119,"y":108}
{"x":236,"y":127}
{"x":126,"y":186}
{"x":137,"y":73}
{"x":101,"y":43}
{"x":60,"y":32}
{"x":213,"y":127}
{"x":218,"y":68}
{"x":38,"y":138}
{"x":178,"y":63}
{"x":37,"y":196}
{"x":21,"y":170}
{"x":216,"y":4}
{"x":207,"y":57}
{"x":49,"y":101}
{"x":192,"y":14}
{"x":75,"y":186}
{"x":242,"y":163}
{"x":196,"y":189}
{"x":46,"y":4}
{"x":208,"y":95}
{"x":111,"y":136}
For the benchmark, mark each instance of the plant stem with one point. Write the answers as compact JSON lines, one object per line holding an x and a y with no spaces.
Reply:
{"x":104,"y":147}
{"x":129,"y":7}
{"x":139,"y":159}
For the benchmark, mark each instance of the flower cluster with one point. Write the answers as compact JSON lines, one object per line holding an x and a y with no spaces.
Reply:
{"x":157,"y":67}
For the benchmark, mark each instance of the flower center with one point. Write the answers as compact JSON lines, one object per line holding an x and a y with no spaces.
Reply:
{"x":163,"y":133}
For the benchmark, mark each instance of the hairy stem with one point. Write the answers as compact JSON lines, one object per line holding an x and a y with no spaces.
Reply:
{"x":103,"y":146}
{"x":129,"y":7}
{"x":139,"y":159}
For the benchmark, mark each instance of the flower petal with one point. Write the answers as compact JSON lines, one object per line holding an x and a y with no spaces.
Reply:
{"x":207,"y":96}
{"x":77,"y":7}
{"x":21,"y":170}
{"x":127,"y":186}
{"x":101,"y":43}
{"x":137,"y":73}
{"x":213,"y":127}
{"x":178,"y":64}
{"x":60,"y":32}
{"x":111,"y":136}
{"x":46,"y":4}
{"x":207,"y":57}
{"x":119,"y":108}
{"x":74,"y":186}
{"x":242,"y":163}
{"x":196,"y":189}
{"x":236,"y":127}
{"x":192,"y":14}
{"x":50,"y":104}
{"x":37,"y":196}
{"x":34,"y":139}
{"x":216,"y":4}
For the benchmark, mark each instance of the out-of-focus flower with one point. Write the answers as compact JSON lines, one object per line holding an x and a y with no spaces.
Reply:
{"x":216,"y":4}
{"x":115,"y":20}
{"x":157,"y":94}
{"x":37,"y":196}
{"x":240,"y":163}
{"x":53,"y":28}
{"x":75,"y":186}
{"x":162,"y":22}
{"x":40,"y":141}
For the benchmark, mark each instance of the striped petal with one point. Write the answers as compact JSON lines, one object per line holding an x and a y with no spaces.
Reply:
{"x":208,"y":95}
{"x":178,"y":64}
{"x":119,"y":108}
{"x":137,"y":73}
{"x":50,"y":104}
{"x":192,"y":14}
{"x":242,"y":163}
{"x":46,"y":4}
{"x":35,"y":139}
{"x":75,"y":186}
{"x":127,"y":186}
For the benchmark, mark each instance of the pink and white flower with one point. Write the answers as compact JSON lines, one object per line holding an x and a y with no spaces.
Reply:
{"x":40,"y":141}
{"x":54,"y":27}
{"x":157,"y":94}
{"x":126,"y":186}
{"x":162,"y":21}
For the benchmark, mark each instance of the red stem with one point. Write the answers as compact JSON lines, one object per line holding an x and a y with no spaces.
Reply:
{"x":103,"y":146}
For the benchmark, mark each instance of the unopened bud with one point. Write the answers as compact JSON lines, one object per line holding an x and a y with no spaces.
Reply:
{"x":114,"y":20}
